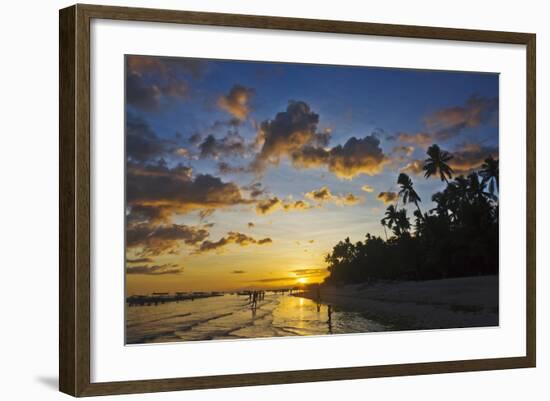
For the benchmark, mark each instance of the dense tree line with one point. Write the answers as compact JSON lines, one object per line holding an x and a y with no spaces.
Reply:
{"x":458,"y":237}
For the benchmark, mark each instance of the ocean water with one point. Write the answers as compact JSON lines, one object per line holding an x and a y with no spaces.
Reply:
{"x":233,"y":317}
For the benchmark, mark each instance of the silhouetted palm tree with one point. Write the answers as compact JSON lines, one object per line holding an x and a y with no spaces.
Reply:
{"x":477,"y":189}
{"x":437,"y":162}
{"x":391,"y":216}
{"x":489,"y":172}
{"x":407,"y":191}
{"x":403,"y":224}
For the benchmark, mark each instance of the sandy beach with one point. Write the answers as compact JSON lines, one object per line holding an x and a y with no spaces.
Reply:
{"x":415,"y":305}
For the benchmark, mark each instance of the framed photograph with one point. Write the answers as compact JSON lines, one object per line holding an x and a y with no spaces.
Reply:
{"x":250,"y":200}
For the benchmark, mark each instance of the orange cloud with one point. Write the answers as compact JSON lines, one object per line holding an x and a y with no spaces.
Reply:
{"x":387,"y":197}
{"x":231,"y":238}
{"x":236,"y":102}
{"x":367,"y":188}
{"x":415,"y":167}
{"x":472,"y":114}
{"x":271,"y":205}
{"x":157,"y":191}
{"x":470,"y":156}
{"x":356,"y":156}
{"x":152,"y":241}
{"x":422,"y":138}
{"x":324,"y":194}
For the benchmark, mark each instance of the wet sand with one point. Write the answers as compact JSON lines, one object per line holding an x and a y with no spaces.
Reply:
{"x":416,"y":305}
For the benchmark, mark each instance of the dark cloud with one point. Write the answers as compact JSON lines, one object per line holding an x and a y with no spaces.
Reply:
{"x":356,"y":156}
{"x":148,"y":96}
{"x":387,"y":197}
{"x":139,"y":260}
{"x":195,"y":138}
{"x":231,"y":144}
{"x":141,"y":95}
{"x":255,"y":189}
{"x":203,"y":214}
{"x":449,"y":121}
{"x":165,"y":67}
{"x":238,"y":272}
{"x":155,"y":270}
{"x":288,"y":132}
{"x":176,"y":190}
{"x":270,"y":205}
{"x":155,"y":240}
{"x":150,"y":80}
{"x":470,"y":156}
{"x":142,"y":143}
{"x":236,"y":102}
{"x":250,"y":224}
{"x":226,"y":168}
{"x":232,"y":237}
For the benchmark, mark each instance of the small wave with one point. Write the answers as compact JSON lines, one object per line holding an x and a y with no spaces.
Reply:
{"x":202,"y":321}
{"x":159,"y":320}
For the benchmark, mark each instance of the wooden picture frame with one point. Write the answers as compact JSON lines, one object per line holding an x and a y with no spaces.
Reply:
{"x":74,"y":204}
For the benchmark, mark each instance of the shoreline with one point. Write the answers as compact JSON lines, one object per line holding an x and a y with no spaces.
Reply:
{"x":417,"y":305}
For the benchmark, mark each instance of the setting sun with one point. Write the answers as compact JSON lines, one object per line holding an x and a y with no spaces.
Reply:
{"x":302,"y":280}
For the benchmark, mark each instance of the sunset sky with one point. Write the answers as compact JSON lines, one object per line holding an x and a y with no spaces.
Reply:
{"x":245,"y":174}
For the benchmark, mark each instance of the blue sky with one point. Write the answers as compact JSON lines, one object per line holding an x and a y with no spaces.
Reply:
{"x":213,"y":145}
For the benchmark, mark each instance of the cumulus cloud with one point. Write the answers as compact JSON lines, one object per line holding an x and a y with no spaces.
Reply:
{"x":270,"y":205}
{"x":236,"y":102}
{"x":155,"y":270}
{"x":288,"y":132}
{"x":324,"y":194}
{"x":232,"y":237}
{"x":387,"y":197}
{"x":232,"y":144}
{"x":151,"y":240}
{"x":356,"y":156}
{"x":176,"y":190}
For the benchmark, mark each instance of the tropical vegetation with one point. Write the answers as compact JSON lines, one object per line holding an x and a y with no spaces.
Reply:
{"x":458,"y":237}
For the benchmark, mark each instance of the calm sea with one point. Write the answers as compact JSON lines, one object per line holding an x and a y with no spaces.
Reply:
{"x":232,"y":317}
